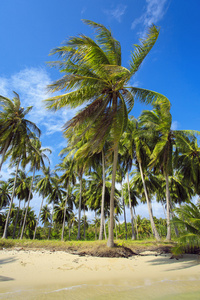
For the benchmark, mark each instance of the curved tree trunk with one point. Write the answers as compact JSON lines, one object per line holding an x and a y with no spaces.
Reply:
{"x":124,"y":211}
{"x":64,"y":219}
{"x":79,"y":210}
{"x":168,"y":237}
{"x":28,"y":203}
{"x":11,"y":202}
{"x":38,"y":218}
{"x":103,"y":197}
{"x":110,"y":242}
{"x":13,"y":236}
{"x":130,"y":206}
{"x":153,"y":227}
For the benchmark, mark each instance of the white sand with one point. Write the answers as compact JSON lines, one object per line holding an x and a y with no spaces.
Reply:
{"x":41,"y":268}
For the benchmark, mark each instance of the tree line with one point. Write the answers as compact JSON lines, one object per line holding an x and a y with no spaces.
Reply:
{"x":145,"y":156}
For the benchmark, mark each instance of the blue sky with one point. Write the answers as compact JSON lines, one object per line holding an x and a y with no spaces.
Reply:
{"x":30,"y":29}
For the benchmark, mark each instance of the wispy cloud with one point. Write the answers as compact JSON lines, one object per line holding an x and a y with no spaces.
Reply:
{"x":117,"y":12}
{"x":154,"y":12}
{"x":175,"y":125}
{"x":30,"y":84}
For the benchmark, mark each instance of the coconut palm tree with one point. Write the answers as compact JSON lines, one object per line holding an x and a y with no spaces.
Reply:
{"x":4,"y":194}
{"x":13,"y":125}
{"x":45,"y":215}
{"x":22,"y":191}
{"x":68,"y":177}
{"x":44,"y":187}
{"x":94,"y":76}
{"x":55,"y":197}
{"x":158,"y":122}
{"x":188,"y":218}
{"x":36,"y":156}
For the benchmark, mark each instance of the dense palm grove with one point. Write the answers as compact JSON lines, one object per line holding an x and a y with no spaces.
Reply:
{"x":145,"y":157}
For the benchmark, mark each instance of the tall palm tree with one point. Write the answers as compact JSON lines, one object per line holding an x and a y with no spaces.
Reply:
{"x":4,"y":194}
{"x":159,"y":121}
{"x":13,"y":125}
{"x":44,"y":187}
{"x":68,"y":177}
{"x":36,"y":156}
{"x":22,"y":191}
{"x":94,"y":76}
{"x":55,"y":197}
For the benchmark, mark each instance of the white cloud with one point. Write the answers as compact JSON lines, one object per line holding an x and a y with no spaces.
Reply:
{"x":154,"y":12}
{"x":30,"y":84}
{"x":117,"y":12}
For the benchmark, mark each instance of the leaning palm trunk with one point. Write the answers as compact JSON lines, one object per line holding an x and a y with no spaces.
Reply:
{"x":124,"y":211}
{"x":84,"y":221}
{"x":153,"y":227}
{"x":38,"y":218}
{"x":103,"y":197}
{"x":110,"y":242}
{"x":79,"y":211}
{"x":130,"y":206}
{"x":168,"y":237}
{"x":13,"y":236}
{"x":64,"y":219}
{"x":4,"y":153}
{"x":11,"y":201}
{"x":29,"y":198}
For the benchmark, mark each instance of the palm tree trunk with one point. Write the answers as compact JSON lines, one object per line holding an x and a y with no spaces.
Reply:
{"x":13,"y":236}
{"x":104,"y":225}
{"x":64,"y":218}
{"x":168,"y":237}
{"x":110,"y":242}
{"x":103,"y":197}
{"x":4,"y":153}
{"x":136,"y":225}
{"x":130,"y":206}
{"x":79,"y":210}
{"x":21,"y":221}
{"x":95,"y":224}
{"x":84,"y":221}
{"x":51,"y":225}
{"x":28,"y":202}
{"x":11,"y":201}
{"x":153,"y":227}
{"x":38,"y":218}
{"x":124,"y":211}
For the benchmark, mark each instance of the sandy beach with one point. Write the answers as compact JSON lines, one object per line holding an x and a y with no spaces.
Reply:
{"x":40,"y":274}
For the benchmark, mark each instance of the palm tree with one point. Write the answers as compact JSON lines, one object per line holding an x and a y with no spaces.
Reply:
{"x":45,"y":215}
{"x":44,"y":187}
{"x":159,"y":122}
{"x":188,"y":218}
{"x":67,"y":178}
{"x":36,"y":158}
{"x":13,"y":125}
{"x":55,"y":197}
{"x":22,"y":191}
{"x":4,"y":194}
{"x":94,"y":75}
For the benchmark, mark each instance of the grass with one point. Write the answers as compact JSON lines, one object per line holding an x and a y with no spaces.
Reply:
{"x":94,"y":248}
